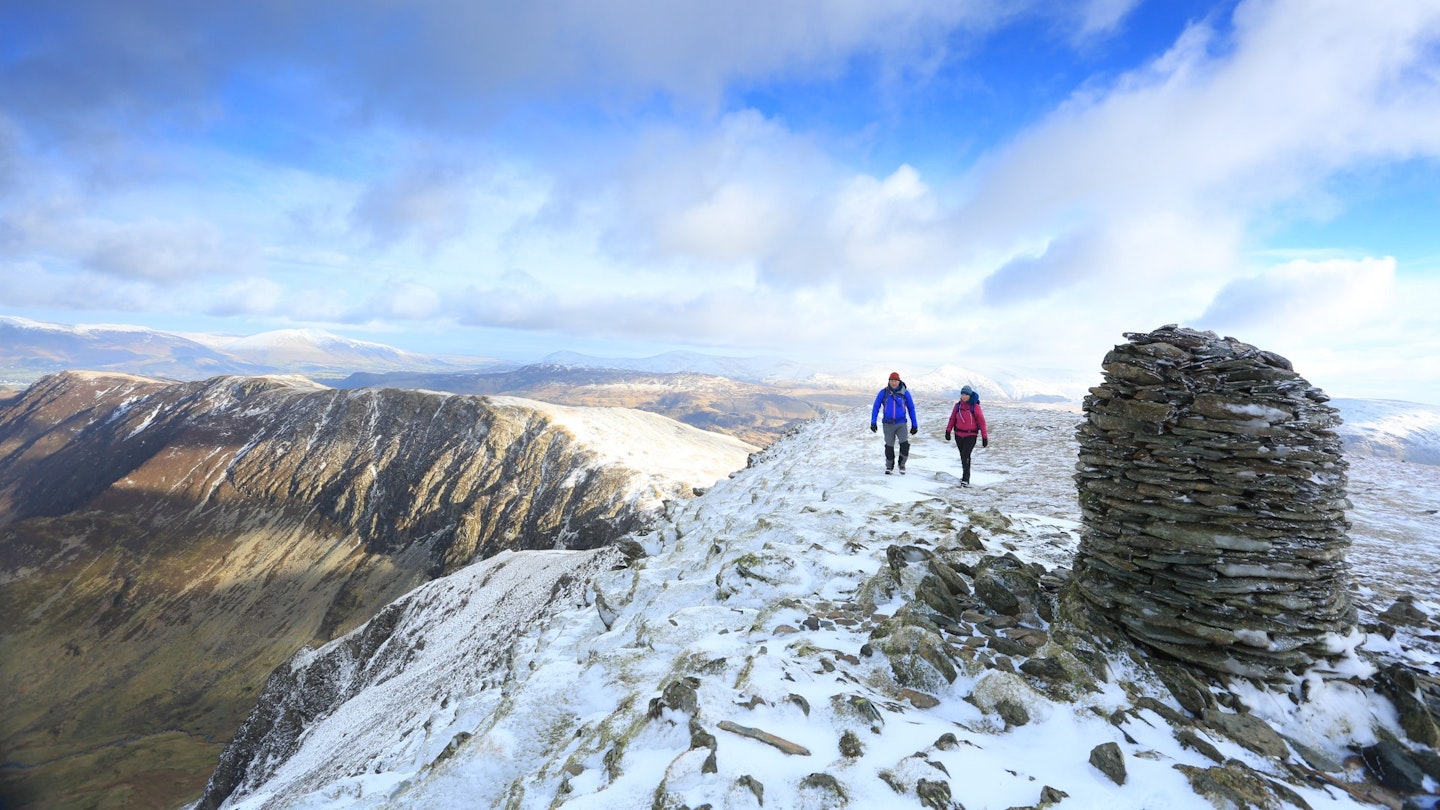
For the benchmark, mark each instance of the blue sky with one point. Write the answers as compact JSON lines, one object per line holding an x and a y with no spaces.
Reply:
{"x":912,"y":183}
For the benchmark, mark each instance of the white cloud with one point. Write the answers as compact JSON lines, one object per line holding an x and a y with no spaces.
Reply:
{"x":1099,"y":17}
{"x":162,"y":251}
{"x":250,"y":296}
{"x":405,"y":301}
{"x":1139,"y":201}
{"x":428,"y":202}
{"x":1307,"y":297}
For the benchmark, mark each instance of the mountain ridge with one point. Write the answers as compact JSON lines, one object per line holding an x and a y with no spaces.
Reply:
{"x":168,"y":544}
{"x":790,"y":639}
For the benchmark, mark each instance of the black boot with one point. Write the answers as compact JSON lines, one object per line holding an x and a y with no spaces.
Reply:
{"x":904,"y":454}
{"x":889,"y":459}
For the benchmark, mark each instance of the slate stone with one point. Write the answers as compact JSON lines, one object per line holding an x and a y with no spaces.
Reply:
{"x":1212,"y":490}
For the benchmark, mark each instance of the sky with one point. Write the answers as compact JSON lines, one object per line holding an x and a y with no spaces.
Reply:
{"x":910,"y":183}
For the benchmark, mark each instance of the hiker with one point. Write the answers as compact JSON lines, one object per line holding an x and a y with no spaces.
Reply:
{"x":967,"y":421}
{"x":895,"y":399}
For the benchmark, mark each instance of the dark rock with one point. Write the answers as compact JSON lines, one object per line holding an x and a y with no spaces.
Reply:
{"x":1404,"y":613}
{"x":630,"y":549}
{"x":828,"y":786}
{"x":1248,"y":730}
{"x":1189,"y":739}
{"x":753,"y":785}
{"x":1398,"y":683}
{"x":1006,"y":646}
{"x":934,"y":794}
{"x":1171,"y":716}
{"x":918,"y":658}
{"x":1007,"y":586}
{"x":1012,"y":712}
{"x":1108,"y":759}
{"x":952,"y":579}
{"x":1047,"y":669}
{"x":1235,"y":784}
{"x":919,"y":700}
{"x":678,"y":695}
{"x":1190,"y":692}
{"x":799,"y":700}
{"x":850,"y":746}
{"x":970,"y":540}
{"x":1394,"y":767}
{"x":1050,"y":796}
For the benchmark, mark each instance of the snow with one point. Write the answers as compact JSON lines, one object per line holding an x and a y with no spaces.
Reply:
{"x":559,"y":713}
{"x":661,"y":450}
{"x":67,"y":329}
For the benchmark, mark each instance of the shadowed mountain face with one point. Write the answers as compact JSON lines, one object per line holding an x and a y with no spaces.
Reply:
{"x":756,"y":413}
{"x":163,"y":546}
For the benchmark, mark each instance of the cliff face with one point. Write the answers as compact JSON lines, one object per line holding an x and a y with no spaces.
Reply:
{"x":163,"y":546}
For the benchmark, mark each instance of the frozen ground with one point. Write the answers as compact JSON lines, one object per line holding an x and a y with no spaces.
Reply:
{"x":746,"y":600}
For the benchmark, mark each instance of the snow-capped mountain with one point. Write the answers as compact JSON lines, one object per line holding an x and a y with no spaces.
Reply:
{"x":1406,"y":431}
{"x":749,"y":369}
{"x":943,"y":381}
{"x":814,"y":633}
{"x":318,"y":350}
{"x":30,"y":349}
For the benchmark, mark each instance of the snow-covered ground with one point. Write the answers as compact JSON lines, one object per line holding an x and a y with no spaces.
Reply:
{"x":745,"y":592}
{"x":1407,"y":431}
{"x":660,"y":450}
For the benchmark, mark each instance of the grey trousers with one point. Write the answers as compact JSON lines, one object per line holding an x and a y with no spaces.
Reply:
{"x":894,"y":431}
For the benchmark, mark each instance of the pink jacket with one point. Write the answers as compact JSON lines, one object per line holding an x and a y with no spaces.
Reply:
{"x":967,"y":419}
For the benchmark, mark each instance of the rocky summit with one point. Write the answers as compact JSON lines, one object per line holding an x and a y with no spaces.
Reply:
{"x":164,"y":545}
{"x":1212,"y":486}
{"x":811,"y":633}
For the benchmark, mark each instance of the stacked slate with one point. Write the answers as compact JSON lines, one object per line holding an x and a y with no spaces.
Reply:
{"x":1212,"y":489}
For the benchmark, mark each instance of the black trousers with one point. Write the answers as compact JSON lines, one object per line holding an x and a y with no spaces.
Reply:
{"x":967,"y":446}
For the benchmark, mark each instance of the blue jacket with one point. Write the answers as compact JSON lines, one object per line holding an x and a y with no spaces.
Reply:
{"x":896,"y":403}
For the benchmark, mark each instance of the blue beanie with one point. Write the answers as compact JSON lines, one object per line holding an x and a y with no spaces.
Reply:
{"x":967,"y":390}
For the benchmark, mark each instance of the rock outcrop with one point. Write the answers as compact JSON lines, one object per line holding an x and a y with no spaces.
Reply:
{"x":1213,"y":494}
{"x":163,"y":546}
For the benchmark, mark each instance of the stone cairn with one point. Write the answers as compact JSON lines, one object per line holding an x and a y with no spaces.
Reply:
{"x":1212,"y":490}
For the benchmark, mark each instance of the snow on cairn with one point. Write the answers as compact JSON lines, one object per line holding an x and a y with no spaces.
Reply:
{"x":811,"y":633}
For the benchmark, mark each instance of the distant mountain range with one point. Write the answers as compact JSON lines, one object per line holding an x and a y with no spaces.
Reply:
{"x":31,"y":349}
{"x":945,"y":381}
{"x":754,"y":398}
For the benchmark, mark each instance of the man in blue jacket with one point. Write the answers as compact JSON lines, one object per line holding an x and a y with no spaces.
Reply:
{"x":894,"y":399}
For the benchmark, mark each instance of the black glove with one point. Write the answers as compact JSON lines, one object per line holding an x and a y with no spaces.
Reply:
{"x":873,"y":428}
{"x":914,"y":429}
{"x":985,"y":442}
{"x":947,"y":435}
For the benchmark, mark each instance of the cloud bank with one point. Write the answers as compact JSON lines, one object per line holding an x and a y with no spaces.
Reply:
{"x":723,"y":176}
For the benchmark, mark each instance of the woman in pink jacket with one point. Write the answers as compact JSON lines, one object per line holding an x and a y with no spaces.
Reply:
{"x":967,"y":422}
